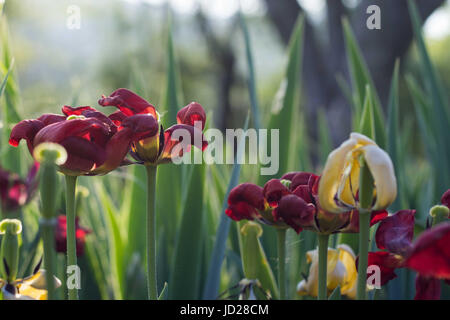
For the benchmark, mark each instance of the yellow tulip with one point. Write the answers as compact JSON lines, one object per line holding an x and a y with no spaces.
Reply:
{"x":340,"y":177}
{"x":341,"y":271}
{"x":31,"y":288}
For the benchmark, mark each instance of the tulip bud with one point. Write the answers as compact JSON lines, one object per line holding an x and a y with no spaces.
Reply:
{"x":10,"y":229}
{"x":439,"y":214}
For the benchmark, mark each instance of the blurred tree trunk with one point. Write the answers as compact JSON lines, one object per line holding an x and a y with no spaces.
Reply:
{"x":322,"y":63}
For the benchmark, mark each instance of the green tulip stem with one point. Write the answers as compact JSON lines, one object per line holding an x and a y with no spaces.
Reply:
{"x":323,"y":257}
{"x":71,"y":182}
{"x":282,"y":263}
{"x":151,"y":232}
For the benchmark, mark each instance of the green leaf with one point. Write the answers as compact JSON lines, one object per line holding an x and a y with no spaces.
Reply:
{"x":211,"y":289}
{"x":325,"y":144}
{"x":251,"y":75}
{"x":336,"y":294}
{"x":360,"y":77}
{"x":439,"y":107}
{"x":367,"y":124}
{"x":185,"y":277}
{"x":164,"y":292}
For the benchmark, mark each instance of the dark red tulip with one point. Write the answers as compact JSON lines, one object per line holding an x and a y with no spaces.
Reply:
{"x":395,"y":233}
{"x":14,"y":191}
{"x":291,"y":201}
{"x":387,"y":262}
{"x":160,"y":148}
{"x":95,"y":144}
{"x":445,"y":199}
{"x":61,"y":235}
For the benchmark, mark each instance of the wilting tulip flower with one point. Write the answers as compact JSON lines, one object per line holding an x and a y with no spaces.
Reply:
{"x":94,"y":143}
{"x":339,"y":185}
{"x":162,"y":147}
{"x":341,"y":271}
{"x":14,"y":191}
{"x":151,"y":150}
{"x":61,"y":235}
{"x":428,"y":254}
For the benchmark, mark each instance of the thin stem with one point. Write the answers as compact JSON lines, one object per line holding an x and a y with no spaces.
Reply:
{"x":151,"y":232}
{"x":364,"y":225}
{"x":48,"y":238}
{"x":281,"y":263}
{"x":71,"y":182}
{"x":323,"y":260}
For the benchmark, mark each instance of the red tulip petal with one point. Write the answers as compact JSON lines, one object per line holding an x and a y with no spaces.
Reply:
{"x":117,"y":117}
{"x":78,"y":111}
{"x":244,"y":201}
{"x":50,"y":118}
{"x":427,"y":288}
{"x":82,"y":155}
{"x":133,"y":129}
{"x":445,"y":200}
{"x":387,"y":262}
{"x":395,"y":233}
{"x":192,"y":113}
{"x":273,"y":191}
{"x":25,"y":129}
{"x":302,"y":179}
{"x":430,"y":254}
{"x":128,"y":102}
{"x":295,"y":212}
{"x":171,"y":141}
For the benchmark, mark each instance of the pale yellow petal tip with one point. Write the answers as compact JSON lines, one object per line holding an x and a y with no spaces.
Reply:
{"x":57,"y":152}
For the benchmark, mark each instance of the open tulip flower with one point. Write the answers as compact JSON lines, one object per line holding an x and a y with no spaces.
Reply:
{"x":94,"y":143}
{"x":292,"y":201}
{"x":339,"y":185}
{"x":161,"y":147}
{"x":14,"y":191}
{"x":428,"y":254}
{"x":341,"y":271}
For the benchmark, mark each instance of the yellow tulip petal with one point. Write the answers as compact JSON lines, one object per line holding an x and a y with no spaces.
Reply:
{"x":331,"y":176}
{"x":348,"y":260}
{"x":38,"y":280}
{"x":382,"y":170}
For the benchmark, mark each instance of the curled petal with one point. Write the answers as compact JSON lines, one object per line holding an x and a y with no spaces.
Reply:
{"x":192,"y":113}
{"x":82,"y":155}
{"x":445,"y":199}
{"x":117,"y":117}
{"x":50,"y":118}
{"x":295,"y":212}
{"x":244,"y":202}
{"x":427,"y":288}
{"x":78,"y":111}
{"x":430,"y":254}
{"x":274,"y":190}
{"x":382,"y":170}
{"x":395,"y":233}
{"x":303,"y":179}
{"x":25,"y":129}
{"x":128,"y":102}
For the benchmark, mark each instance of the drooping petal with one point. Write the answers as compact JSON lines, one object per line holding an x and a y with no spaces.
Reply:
{"x":35,"y":287}
{"x":430,"y":254}
{"x":329,"y":181}
{"x":82,"y":155}
{"x":274,"y":190}
{"x":382,"y":170}
{"x":395,"y":233}
{"x":128,"y":102}
{"x":295,"y":212}
{"x":244,"y":201}
{"x":427,"y":288}
{"x":387,"y":262}
{"x":25,"y":129}
{"x":192,"y":113}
